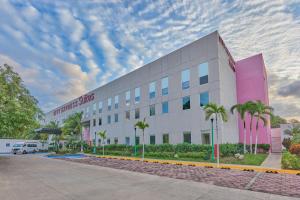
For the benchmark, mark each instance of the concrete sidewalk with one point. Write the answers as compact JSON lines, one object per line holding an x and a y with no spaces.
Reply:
{"x":273,"y":161}
{"x":30,"y":177}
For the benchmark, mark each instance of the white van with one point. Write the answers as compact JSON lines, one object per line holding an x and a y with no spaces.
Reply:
{"x":25,"y":147}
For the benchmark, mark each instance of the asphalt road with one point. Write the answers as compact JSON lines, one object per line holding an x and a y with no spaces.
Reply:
{"x":33,"y":177}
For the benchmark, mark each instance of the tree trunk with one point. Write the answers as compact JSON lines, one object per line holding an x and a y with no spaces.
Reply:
{"x":81,"y":145}
{"x":251,"y":150}
{"x":256,"y":137}
{"x":218,"y":146}
{"x":245,"y":139}
{"x":103,"y":147}
{"x":143,"y":147}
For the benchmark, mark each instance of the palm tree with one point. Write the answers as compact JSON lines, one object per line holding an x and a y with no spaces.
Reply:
{"x":102,"y":135}
{"x":242,"y":110}
{"x":73,"y":126}
{"x":251,"y":109}
{"x":211,"y":110}
{"x":261,"y":110}
{"x":55,"y":138}
{"x":142,"y":125}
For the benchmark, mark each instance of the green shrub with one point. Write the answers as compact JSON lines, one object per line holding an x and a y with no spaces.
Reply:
{"x":195,"y":155}
{"x":230,"y":149}
{"x":290,"y":161}
{"x":264,"y":147}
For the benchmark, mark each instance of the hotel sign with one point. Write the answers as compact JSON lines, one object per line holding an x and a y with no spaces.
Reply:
{"x":78,"y":102}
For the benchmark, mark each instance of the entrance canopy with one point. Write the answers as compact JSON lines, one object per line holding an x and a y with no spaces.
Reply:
{"x":55,"y":131}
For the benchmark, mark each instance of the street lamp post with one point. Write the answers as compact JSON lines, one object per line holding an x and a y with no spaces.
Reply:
{"x":134,"y":141}
{"x":94,"y":150}
{"x":212,"y":140}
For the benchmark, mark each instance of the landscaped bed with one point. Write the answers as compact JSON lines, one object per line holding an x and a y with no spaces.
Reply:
{"x":187,"y":152}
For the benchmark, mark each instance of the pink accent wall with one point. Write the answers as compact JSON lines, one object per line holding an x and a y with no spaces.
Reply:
{"x":251,"y":83}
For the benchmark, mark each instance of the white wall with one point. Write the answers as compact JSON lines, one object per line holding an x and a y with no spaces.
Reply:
{"x":11,"y":142}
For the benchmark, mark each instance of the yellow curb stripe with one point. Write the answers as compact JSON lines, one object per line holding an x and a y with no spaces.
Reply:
{"x":204,"y":164}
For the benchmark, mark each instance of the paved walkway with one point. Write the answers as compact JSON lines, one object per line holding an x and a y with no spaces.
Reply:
{"x":29,"y":177}
{"x":273,"y":161}
{"x":283,"y":184}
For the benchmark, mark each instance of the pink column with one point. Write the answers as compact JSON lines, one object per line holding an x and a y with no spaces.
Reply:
{"x":251,"y":83}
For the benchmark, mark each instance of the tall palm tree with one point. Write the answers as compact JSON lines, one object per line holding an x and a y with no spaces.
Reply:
{"x":242,"y":110}
{"x":211,"y":110}
{"x":102,"y":135}
{"x":73,"y":126}
{"x":262,"y":111}
{"x":251,"y":109}
{"x":55,"y":138}
{"x":142,"y":125}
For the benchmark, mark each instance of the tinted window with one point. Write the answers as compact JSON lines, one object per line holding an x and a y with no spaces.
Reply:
{"x":165,"y":107}
{"x":204,"y":99}
{"x":186,"y":103}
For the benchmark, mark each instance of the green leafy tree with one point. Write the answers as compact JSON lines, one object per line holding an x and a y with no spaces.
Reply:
{"x":294,"y":132}
{"x":102,"y":135}
{"x":276,"y":121}
{"x":142,"y":125}
{"x":213,"y":110}
{"x":56,"y":138}
{"x":242,"y":110}
{"x":261,"y":113}
{"x":73,"y":126}
{"x":19,"y":111}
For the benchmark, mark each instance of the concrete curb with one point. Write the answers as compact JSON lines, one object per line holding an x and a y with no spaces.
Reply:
{"x":206,"y":165}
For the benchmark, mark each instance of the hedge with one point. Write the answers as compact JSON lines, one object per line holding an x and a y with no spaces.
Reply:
{"x":225,"y":149}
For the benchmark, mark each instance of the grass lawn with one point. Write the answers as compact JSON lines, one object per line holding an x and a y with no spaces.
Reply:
{"x":249,"y":159}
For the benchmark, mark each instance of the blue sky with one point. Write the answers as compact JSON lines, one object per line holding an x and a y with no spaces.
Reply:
{"x":63,"y":49}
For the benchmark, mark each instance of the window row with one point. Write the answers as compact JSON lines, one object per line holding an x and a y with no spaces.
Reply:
{"x":185,"y":84}
{"x":186,"y":138}
{"x":186,"y":104}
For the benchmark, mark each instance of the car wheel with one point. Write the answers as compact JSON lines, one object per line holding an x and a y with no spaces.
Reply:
{"x":15,"y":153}
{"x":34,"y":151}
{"x":24,"y":152}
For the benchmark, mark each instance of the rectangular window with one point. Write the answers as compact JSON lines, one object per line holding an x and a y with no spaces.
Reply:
{"x":187,"y":137}
{"x":166,"y":138}
{"x":137,"y":140}
{"x":186,"y":103}
{"x":152,"y":110}
{"x":94,"y":108}
{"x":94,"y":122}
{"x":127,"y":98}
{"x":165,"y":107}
{"x":185,"y":79}
{"x":204,"y":99}
{"x":203,"y":73}
{"x":7,"y":144}
{"x":137,"y":95}
{"x":100,"y":106}
{"x":108,"y":141}
{"x":152,"y":139}
{"x":205,"y":138}
{"x":152,"y":90}
{"x":116,"y":140}
{"x":87,"y":111}
{"x":127,"y":114}
{"x":99,"y":141}
{"x":164,"y":86}
{"x":100,"y":121}
{"x":116,"y":102}
{"x":137,"y":113}
{"x":109,"y":104}
{"x":108,"y":119}
{"x":116,"y":117}
{"x":127,"y":140}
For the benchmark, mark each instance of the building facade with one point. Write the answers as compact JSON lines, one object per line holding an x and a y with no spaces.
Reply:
{"x":169,"y":93}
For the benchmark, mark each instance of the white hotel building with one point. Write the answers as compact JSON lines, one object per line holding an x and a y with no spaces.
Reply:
{"x":169,"y":92}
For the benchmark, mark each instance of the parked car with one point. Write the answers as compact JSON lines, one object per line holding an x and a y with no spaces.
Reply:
{"x":25,"y":147}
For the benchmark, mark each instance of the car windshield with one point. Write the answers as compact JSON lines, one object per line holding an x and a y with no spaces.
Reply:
{"x":18,"y":145}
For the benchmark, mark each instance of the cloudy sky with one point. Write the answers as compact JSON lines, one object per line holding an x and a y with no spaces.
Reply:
{"x":63,"y":49}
